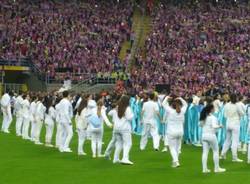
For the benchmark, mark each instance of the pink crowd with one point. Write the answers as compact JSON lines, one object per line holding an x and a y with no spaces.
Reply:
{"x":63,"y":38}
{"x":195,"y":49}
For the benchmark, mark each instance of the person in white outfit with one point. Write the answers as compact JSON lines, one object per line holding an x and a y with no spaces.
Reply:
{"x":6,"y":110}
{"x":175,"y":123}
{"x":66,"y":114}
{"x":81,"y":124}
{"x":232,"y":113}
{"x":49,"y":122}
{"x":39,"y":118}
{"x":32,"y":117}
{"x":150,"y":111}
{"x":209,"y":124}
{"x":122,"y":117}
{"x":96,"y":120}
{"x":19,"y":114}
{"x":59,"y":134}
{"x":26,"y":117}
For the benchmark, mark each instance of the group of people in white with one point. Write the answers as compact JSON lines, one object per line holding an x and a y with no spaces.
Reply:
{"x":91,"y":115}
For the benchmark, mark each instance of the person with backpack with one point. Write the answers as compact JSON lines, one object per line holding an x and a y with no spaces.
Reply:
{"x":96,"y":118}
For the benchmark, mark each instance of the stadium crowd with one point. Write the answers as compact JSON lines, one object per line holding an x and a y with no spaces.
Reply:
{"x":65,"y":38}
{"x":196,"y":48}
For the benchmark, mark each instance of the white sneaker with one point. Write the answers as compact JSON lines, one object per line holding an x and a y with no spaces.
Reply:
{"x":237,"y":160}
{"x":127,"y":162}
{"x":101,"y":156}
{"x":165,"y":149}
{"x":6,"y":131}
{"x":206,"y":171}
{"x":116,"y":161}
{"x":67,"y":150}
{"x":49,"y":145}
{"x":82,"y":153}
{"x":93,"y":156}
{"x":175,"y":164}
{"x":248,"y":161}
{"x":219,"y":170}
{"x":38,"y":143}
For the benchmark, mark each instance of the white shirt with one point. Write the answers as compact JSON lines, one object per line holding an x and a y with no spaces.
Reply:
{"x":150,"y":110}
{"x":81,"y":120}
{"x":40,"y":111}
{"x":49,"y":118}
{"x":233,"y":113}
{"x":175,"y":121}
{"x":5,"y":100}
{"x":210,"y":125}
{"x":26,"y":108}
{"x":122,"y":124}
{"x":18,"y":105}
{"x":65,"y":111}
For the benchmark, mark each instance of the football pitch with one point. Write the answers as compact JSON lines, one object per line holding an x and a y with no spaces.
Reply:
{"x":23,"y":162}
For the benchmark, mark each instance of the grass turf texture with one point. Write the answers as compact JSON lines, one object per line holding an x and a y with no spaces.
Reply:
{"x":22,"y":162}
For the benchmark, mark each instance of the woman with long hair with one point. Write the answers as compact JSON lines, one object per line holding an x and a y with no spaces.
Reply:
{"x":81,"y":124}
{"x":49,"y":122}
{"x":175,"y":126}
{"x":210,"y":125}
{"x":122,"y":116}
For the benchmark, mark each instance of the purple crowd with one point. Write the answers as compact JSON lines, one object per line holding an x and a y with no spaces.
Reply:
{"x":65,"y":38}
{"x":196,"y":49}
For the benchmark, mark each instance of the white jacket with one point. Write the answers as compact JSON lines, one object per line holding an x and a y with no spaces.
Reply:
{"x":26,"y":108}
{"x":81,"y":120}
{"x":50,"y":117}
{"x":122,"y":124}
{"x":233,"y":112}
{"x":66,"y":111}
{"x":40,"y":111}
{"x":175,"y":121}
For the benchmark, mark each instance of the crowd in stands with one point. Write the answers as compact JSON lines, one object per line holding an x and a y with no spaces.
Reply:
{"x":65,"y":38}
{"x":196,"y":49}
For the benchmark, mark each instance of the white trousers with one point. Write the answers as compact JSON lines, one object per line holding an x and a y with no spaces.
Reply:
{"x":49,"y":132}
{"x":111,"y":145}
{"x":174,"y":143}
{"x":210,"y":141}
{"x":96,"y":142}
{"x":123,"y":141}
{"x":58,"y":134}
{"x":19,"y":123}
{"x":232,"y":139}
{"x":25,"y":128}
{"x":147,"y":130}
{"x":7,"y":119}
{"x":165,"y":137}
{"x":66,"y":135}
{"x":37,"y":130}
{"x":82,"y":135}
{"x":32,"y":130}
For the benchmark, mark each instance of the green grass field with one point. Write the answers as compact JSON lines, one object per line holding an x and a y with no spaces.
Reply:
{"x":22,"y":162}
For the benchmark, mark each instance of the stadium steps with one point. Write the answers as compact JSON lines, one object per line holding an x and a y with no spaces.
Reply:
{"x":126,"y":44}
